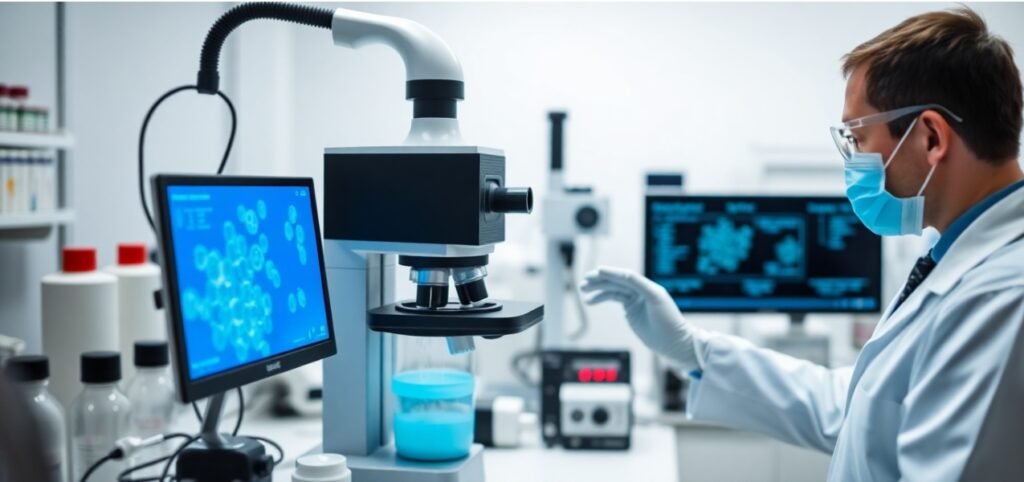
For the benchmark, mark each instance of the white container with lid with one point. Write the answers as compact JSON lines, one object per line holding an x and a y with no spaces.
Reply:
{"x":79,"y":306}
{"x":138,"y":318}
{"x":322,"y":468}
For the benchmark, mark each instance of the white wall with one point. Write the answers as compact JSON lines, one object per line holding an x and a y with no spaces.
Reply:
{"x":121,"y":57}
{"x":706,"y":88}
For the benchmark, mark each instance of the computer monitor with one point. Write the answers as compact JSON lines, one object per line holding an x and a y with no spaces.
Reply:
{"x":244,"y":281}
{"x":793,"y":254}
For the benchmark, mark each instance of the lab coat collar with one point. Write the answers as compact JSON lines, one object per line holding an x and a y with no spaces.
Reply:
{"x":998,"y":226}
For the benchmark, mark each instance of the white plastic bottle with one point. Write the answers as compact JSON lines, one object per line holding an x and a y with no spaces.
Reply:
{"x":151,"y":393}
{"x":99,"y":417}
{"x":31,"y":373}
{"x":79,"y":307}
{"x":138,"y":318}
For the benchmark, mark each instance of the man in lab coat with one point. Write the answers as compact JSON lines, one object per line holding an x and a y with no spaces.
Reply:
{"x":930,"y":137}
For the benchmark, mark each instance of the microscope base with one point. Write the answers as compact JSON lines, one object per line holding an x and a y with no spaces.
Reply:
{"x":385,"y":466}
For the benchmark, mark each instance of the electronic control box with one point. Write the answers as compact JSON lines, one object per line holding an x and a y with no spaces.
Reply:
{"x":586,"y":399}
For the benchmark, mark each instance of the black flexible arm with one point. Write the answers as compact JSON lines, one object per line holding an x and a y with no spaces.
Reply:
{"x":208,"y":80}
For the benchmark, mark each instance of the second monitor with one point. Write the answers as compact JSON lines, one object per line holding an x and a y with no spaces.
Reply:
{"x":762,"y":253}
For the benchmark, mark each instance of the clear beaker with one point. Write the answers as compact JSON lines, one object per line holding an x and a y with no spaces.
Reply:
{"x":434,"y":409}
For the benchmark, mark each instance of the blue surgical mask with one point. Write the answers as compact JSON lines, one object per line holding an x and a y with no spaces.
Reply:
{"x":883,"y":213}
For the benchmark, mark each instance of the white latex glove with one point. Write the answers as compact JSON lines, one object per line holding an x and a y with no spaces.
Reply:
{"x":652,"y":314}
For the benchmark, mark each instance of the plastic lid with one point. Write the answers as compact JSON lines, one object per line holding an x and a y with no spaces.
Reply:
{"x":28,"y":368}
{"x":325,"y":467}
{"x":79,"y":259}
{"x":151,"y":353}
{"x":433,"y":384}
{"x":16,"y":91}
{"x":101,"y":367}
{"x":131,"y":253}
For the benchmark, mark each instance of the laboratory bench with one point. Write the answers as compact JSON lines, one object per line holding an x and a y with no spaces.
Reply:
{"x":652,"y":457}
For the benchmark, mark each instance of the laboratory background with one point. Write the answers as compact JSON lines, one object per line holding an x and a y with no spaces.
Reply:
{"x":617,"y":115}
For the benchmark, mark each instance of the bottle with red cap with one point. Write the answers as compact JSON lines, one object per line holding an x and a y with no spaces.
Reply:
{"x":138,"y":318}
{"x":79,"y":308}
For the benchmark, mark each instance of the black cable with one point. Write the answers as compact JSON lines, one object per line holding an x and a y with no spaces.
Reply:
{"x":123,"y":476}
{"x":170,"y":459}
{"x":116,"y":453}
{"x":208,"y":78}
{"x":142,"y":143}
{"x":241,"y":411}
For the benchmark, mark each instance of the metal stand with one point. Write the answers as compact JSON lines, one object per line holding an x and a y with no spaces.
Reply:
{"x":800,"y":344}
{"x":217,"y":457}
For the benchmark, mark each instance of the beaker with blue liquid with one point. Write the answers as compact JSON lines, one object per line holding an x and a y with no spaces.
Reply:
{"x":434,"y":407}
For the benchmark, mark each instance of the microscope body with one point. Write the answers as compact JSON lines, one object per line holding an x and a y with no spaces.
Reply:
{"x":439,"y":210}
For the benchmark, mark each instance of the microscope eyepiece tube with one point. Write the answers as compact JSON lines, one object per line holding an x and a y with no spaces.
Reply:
{"x":510,"y":200}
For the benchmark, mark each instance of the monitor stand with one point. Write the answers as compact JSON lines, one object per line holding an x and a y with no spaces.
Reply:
{"x":797,"y":342}
{"x":217,"y":457}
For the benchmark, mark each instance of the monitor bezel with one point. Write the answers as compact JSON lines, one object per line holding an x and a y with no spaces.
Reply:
{"x":877,"y":293}
{"x":191,"y":390}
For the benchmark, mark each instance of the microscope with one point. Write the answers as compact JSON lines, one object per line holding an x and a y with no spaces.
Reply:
{"x":432,"y":204}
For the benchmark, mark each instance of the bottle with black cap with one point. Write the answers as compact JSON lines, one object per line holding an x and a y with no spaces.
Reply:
{"x":151,"y":393}
{"x":100,"y":416}
{"x":31,"y":373}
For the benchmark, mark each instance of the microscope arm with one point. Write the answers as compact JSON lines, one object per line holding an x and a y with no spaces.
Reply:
{"x":425,"y":55}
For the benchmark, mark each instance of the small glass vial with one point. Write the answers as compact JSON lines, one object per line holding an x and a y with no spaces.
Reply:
{"x":151,"y":393}
{"x":100,"y":416}
{"x":32,"y":374}
{"x":18,"y":95}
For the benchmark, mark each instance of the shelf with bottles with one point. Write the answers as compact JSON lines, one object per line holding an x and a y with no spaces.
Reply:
{"x":18,"y":115}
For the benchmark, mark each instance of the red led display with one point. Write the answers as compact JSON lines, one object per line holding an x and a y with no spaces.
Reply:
{"x":597,"y":375}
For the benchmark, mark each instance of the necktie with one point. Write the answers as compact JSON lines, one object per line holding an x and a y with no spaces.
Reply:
{"x":925,"y":264}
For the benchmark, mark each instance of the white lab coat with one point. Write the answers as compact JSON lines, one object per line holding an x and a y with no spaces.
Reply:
{"x":913,"y":405}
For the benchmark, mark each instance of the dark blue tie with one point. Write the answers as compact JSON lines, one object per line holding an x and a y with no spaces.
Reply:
{"x":925,"y":264}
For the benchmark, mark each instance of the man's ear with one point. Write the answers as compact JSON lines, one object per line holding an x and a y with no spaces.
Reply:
{"x":938,"y":136}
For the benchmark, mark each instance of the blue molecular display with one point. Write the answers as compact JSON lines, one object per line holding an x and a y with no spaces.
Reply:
{"x":231,"y":287}
{"x":723,"y":246}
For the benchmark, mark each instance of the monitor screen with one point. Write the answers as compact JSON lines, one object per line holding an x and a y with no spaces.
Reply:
{"x":245,"y":269}
{"x":747,"y":253}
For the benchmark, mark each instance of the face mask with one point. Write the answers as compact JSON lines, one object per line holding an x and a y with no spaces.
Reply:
{"x":883,"y":213}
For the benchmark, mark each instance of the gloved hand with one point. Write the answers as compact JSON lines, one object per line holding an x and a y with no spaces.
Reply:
{"x":652,"y":314}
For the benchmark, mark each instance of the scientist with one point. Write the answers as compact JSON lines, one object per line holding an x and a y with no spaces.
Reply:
{"x":932,"y":123}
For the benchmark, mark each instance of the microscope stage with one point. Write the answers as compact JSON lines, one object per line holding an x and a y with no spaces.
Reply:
{"x":513,"y":317}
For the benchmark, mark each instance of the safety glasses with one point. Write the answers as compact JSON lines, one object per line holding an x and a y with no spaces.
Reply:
{"x":847,"y":143}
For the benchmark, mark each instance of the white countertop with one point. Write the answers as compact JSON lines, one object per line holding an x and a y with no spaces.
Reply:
{"x":652,"y":457}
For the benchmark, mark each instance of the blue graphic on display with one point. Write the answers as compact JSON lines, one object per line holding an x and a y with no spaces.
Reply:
{"x":248,"y":290}
{"x":723,"y":246}
{"x":747,"y":253}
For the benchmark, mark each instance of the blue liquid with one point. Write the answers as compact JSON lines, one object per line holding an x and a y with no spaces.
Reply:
{"x":434,"y":414}
{"x":433,"y":435}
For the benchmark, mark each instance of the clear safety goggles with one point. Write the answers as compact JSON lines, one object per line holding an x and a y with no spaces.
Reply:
{"x":847,"y":143}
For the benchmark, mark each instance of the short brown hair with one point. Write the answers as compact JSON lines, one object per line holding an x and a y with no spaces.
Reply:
{"x":947,"y":58}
